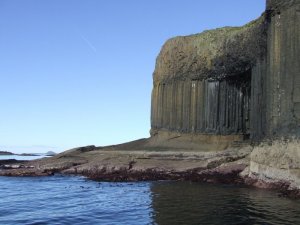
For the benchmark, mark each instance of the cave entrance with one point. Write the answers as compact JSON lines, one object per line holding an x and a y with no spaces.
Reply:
{"x":227,"y":105}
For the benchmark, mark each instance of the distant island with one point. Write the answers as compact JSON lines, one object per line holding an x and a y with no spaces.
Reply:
{"x":6,"y":153}
{"x":28,"y":154}
{"x":50,"y":153}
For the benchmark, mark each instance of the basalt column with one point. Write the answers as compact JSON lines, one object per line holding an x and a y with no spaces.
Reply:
{"x":283,"y":67}
{"x":203,"y":82}
{"x":203,"y":106}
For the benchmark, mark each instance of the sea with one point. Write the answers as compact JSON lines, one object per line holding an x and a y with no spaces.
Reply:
{"x":72,"y":200}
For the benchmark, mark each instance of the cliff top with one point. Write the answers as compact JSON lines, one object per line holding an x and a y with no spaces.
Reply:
{"x":281,"y":4}
{"x":214,"y":53}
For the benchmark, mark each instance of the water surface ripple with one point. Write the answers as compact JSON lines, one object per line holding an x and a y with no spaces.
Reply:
{"x":75,"y":200}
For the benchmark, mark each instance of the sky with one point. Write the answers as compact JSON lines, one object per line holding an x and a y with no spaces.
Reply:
{"x":79,"y":72}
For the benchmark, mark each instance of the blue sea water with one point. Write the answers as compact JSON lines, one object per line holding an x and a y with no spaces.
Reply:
{"x":75,"y":200}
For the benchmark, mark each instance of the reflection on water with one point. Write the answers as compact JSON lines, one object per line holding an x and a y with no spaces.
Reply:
{"x":193,"y":203}
{"x":60,"y":200}
{"x":75,"y":200}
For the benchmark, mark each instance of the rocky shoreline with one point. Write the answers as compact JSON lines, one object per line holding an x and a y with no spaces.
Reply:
{"x":230,"y":166}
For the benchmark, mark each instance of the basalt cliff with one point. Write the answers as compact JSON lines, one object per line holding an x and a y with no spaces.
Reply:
{"x":225,"y":108}
{"x":235,"y":85}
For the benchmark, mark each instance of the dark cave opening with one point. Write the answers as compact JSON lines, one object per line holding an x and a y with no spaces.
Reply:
{"x":227,"y":104}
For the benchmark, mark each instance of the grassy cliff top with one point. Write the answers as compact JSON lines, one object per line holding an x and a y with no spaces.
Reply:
{"x":213,"y":53}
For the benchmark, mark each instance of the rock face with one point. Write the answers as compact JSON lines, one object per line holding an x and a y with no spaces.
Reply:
{"x":202,"y":83}
{"x":233,"y":80}
{"x":237,"y":81}
{"x":282,"y":77}
{"x":275,"y":165}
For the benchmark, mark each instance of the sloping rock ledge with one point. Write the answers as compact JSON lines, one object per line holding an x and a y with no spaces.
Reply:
{"x":113,"y":163}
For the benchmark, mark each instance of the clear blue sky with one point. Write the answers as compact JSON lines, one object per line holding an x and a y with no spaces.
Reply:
{"x":79,"y":72}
